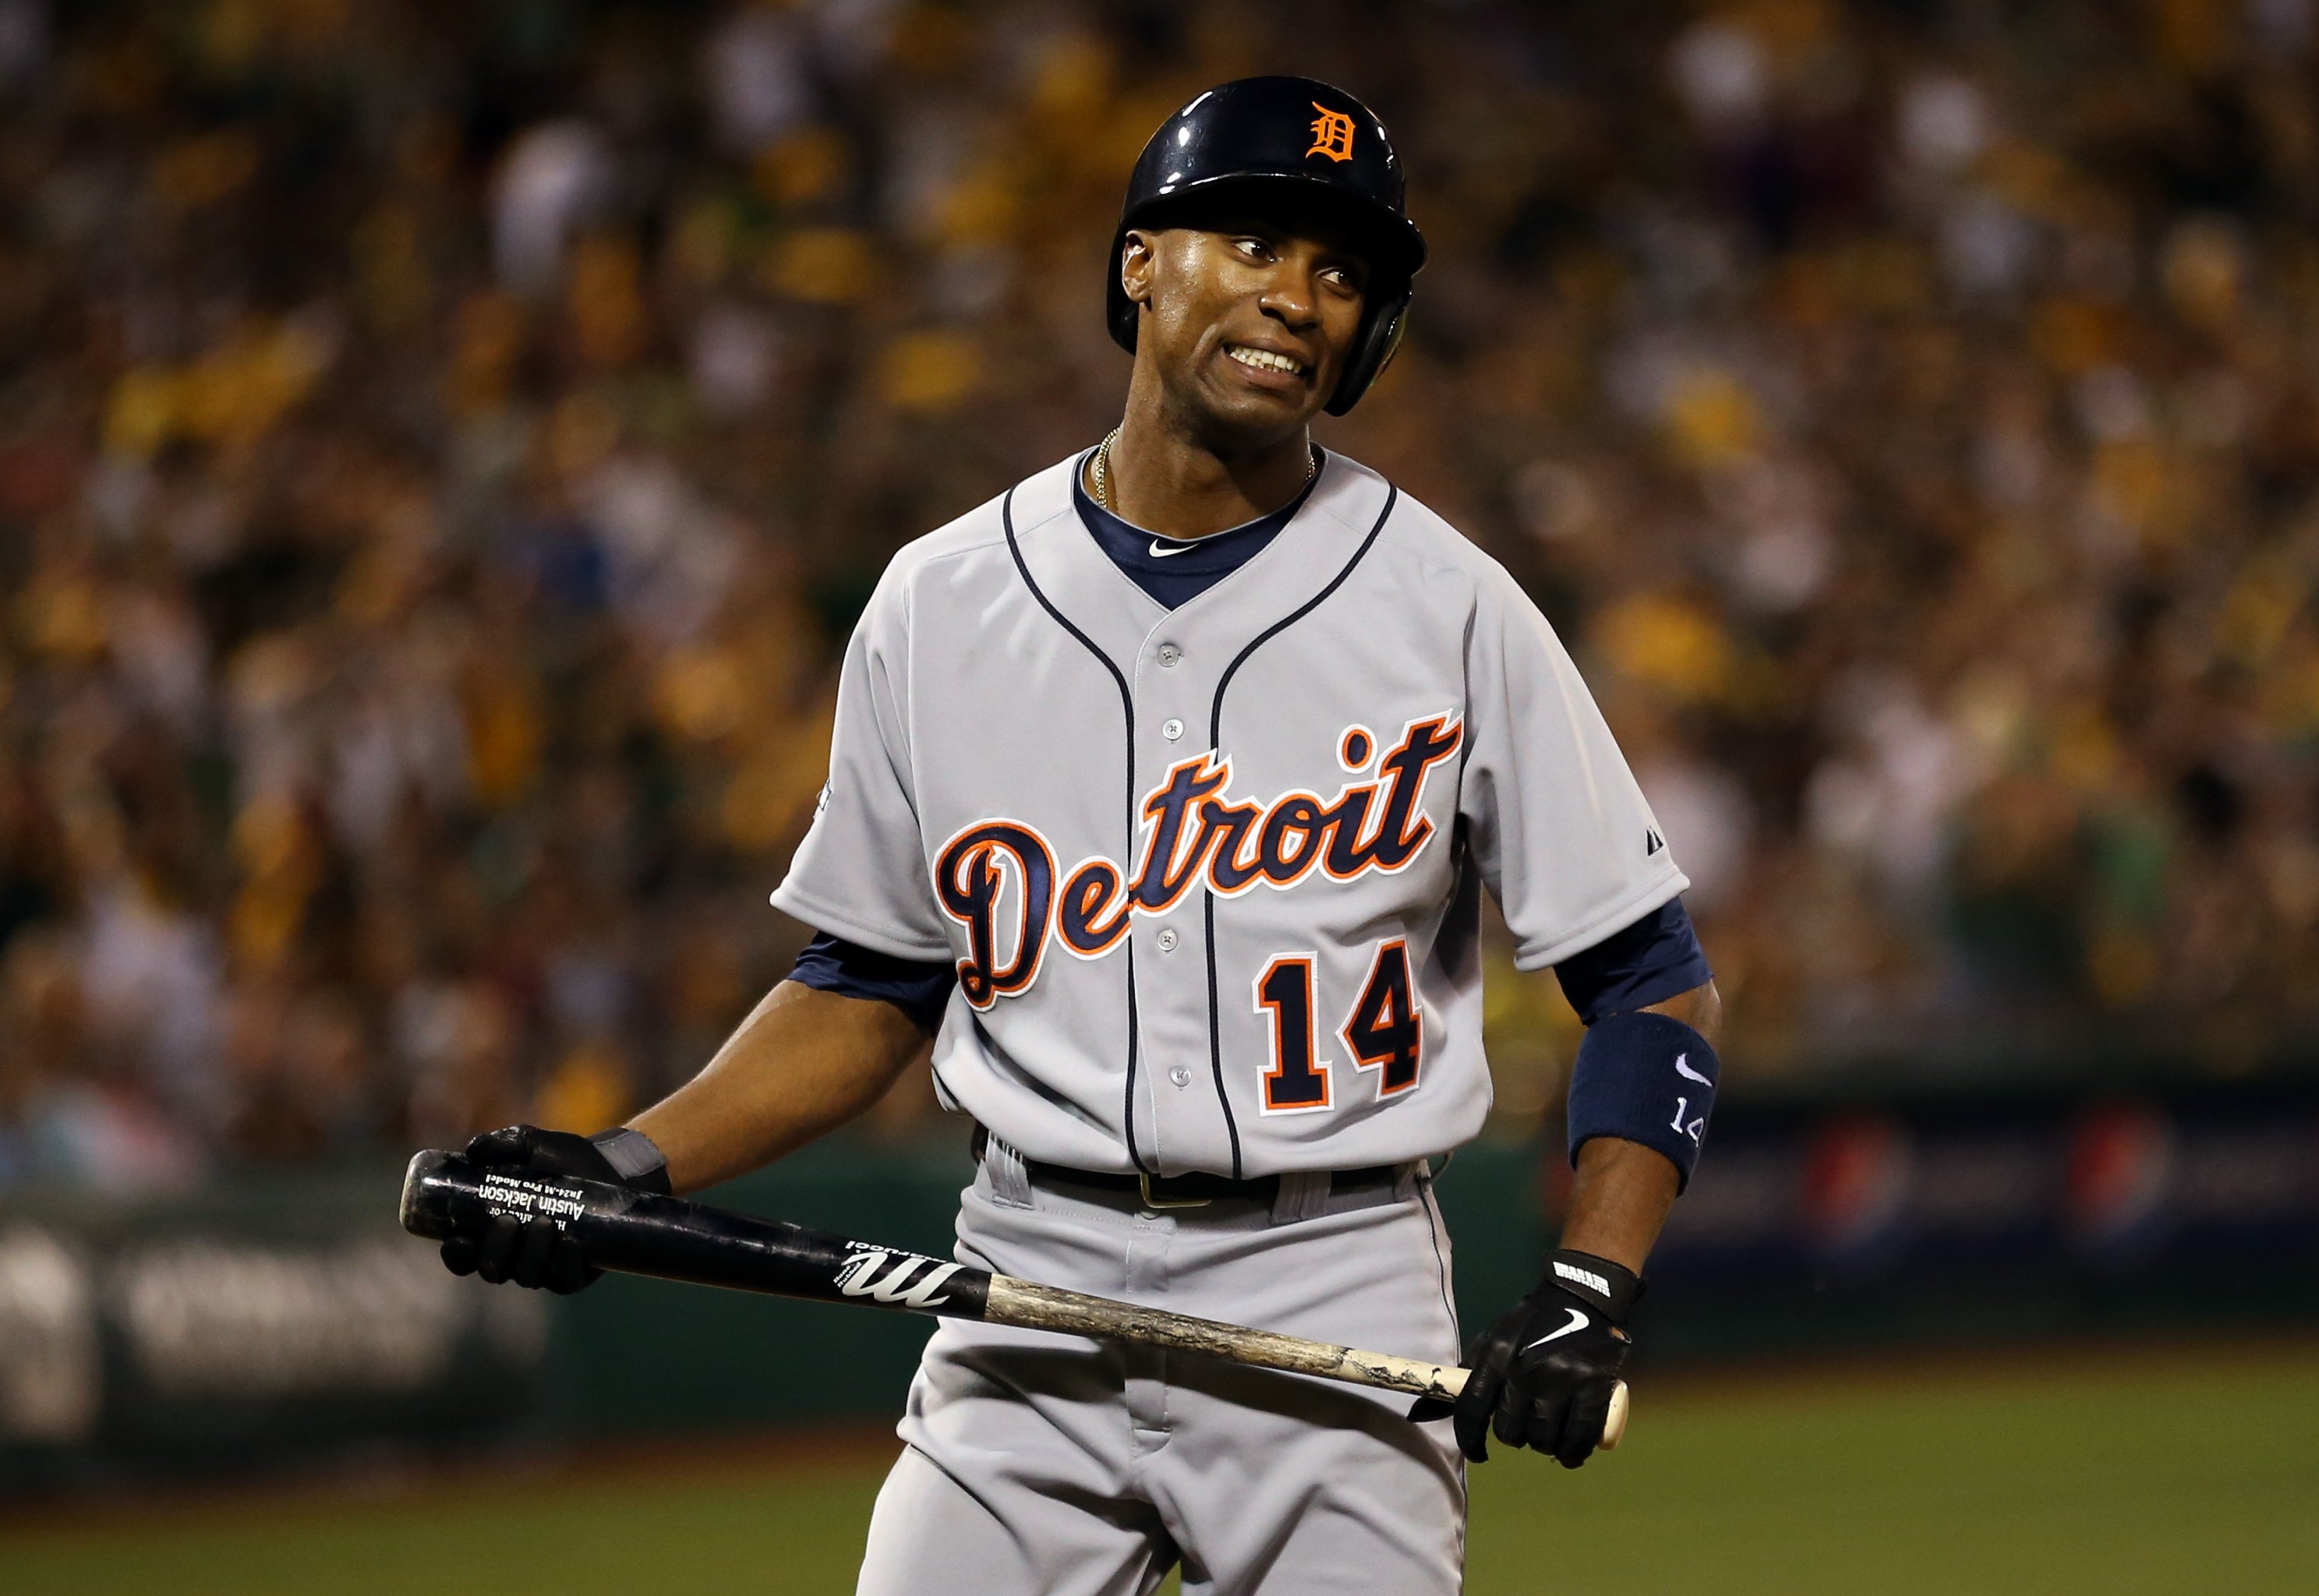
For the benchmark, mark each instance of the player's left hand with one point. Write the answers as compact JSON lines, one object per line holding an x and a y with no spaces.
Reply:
{"x":1543,"y":1373}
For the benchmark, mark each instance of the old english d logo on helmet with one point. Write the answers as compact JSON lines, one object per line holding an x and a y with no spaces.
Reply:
{"x":1284,"y":135}
{"x":1332,"y":134}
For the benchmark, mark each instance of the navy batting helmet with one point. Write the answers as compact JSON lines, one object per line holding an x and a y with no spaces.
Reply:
{"x":1285,"y":133}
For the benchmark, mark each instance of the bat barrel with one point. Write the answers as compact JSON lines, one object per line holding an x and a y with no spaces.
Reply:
{"x":635,"y":1233}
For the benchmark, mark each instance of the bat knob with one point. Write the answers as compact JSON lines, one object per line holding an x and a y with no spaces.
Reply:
{"x":420,"y":1216}
{"x":1614,"y":1422}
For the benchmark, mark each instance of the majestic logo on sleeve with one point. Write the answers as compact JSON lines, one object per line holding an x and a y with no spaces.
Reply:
{"x":998,"y":879}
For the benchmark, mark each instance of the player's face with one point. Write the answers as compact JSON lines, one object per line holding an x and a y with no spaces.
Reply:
{"x":1248,"y":323}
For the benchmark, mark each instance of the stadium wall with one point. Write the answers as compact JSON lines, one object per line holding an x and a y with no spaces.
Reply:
{"x":271,"y":1321}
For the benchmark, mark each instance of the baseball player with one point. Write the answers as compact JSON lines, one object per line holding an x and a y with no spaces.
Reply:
{"x":1162,"y":794}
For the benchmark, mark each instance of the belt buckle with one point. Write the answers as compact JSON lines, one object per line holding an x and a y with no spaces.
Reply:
{"x":1154,"y":1202}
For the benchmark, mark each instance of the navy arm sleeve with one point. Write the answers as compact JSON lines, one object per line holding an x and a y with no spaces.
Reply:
{"x":918,"y":988}
{"x":1649,"y":961}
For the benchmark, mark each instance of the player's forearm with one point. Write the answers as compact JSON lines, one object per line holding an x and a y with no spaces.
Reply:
{"x":1622,"y":1191}
{"x":1618,"y":1199}
{"x":803,"y":1063}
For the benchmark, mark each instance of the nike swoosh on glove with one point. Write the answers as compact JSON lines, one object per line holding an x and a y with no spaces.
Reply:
{"x":1543,"y":1373}
{"x":533,"y":1252}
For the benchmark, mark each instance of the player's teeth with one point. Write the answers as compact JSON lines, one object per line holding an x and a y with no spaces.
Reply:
{"x":1263,"y":357}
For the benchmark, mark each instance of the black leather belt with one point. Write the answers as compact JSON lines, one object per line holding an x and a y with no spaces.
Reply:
{"x":1196,"y":1188}
{"x":1199,"y":1188}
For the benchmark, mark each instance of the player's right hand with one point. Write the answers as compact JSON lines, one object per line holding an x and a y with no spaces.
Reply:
{"x":531,"y":1253}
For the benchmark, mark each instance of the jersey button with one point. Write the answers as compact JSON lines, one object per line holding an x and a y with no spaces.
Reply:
{"x":1168,"y":654}
{"x":1180,"y":1076}
{"x":1168,"y":939}
{"x":1171,"y":728}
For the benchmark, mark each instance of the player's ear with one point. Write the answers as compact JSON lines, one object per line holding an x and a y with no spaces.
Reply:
{"x":1138,"y":259}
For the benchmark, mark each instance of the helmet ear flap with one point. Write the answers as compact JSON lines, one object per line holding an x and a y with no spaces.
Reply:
{"x":1372,"y":351}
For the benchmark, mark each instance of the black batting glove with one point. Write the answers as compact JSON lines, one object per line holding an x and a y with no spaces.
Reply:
{"x":1544,"y":1371}
{"x":533,"y":1252}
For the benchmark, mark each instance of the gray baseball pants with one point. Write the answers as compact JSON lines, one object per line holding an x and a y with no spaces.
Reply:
{"x":1046,"y":1466}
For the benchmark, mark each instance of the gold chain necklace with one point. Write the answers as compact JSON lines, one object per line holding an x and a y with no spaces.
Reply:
{"x":1101,"y":471}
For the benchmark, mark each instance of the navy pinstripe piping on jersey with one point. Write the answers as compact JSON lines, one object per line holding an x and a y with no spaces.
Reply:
{"x":1215,"y":741}
{"x":1127,"y":708}
{"x":1434,"y":1229}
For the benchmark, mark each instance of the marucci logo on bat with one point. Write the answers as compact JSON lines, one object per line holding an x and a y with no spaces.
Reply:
{"x":860,"y":1276}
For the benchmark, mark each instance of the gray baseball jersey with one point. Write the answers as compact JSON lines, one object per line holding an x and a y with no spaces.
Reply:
{"x":1210,"y":876}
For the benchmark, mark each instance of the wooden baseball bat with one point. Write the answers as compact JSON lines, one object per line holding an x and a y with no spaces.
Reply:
{"x":634,"y":1232}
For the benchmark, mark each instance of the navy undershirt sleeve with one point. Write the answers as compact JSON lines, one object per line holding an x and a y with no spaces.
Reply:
{"x":919,"y":987}
{"x":1649,"y":961}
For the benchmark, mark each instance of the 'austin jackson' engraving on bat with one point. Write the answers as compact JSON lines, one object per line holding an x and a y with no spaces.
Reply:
{"x":634,"y":1232}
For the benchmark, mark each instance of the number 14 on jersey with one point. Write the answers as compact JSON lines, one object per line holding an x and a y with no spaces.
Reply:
{"x":1384,"y":1031}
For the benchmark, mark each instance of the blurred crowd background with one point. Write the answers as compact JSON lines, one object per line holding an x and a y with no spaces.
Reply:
{"x":443,"y":448}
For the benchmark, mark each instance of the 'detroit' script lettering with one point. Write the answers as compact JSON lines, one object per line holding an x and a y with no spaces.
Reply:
{"x":1193,"y":831}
